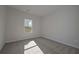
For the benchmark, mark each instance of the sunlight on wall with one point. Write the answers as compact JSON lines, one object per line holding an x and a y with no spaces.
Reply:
{"x":32,"y":48}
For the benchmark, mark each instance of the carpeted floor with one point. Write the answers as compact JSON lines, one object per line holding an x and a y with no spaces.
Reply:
{"x":37,"y":46}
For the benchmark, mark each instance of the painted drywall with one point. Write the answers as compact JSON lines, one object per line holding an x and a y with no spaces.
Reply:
{"x":62,"y":26}
{"x":15,"y":26}
{"x":2,"y":25}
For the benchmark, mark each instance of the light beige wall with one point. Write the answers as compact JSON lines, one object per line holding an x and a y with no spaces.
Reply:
{"x":2,"y":25}
{"x":62,"y":25}
{"x":15,"y":26}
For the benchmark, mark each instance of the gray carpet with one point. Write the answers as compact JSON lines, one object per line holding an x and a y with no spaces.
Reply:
{"x":37,"y":46}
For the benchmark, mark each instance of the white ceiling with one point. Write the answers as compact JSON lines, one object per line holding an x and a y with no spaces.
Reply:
{"x":39,"y":10}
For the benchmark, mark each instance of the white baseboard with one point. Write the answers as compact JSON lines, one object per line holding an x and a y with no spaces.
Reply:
{"x":45,"y":36}
{"x":25,"y":37}
{"x":51,"y":38}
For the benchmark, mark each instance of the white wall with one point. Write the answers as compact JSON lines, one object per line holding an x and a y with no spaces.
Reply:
{"x":2,"y":25}
{"x":15,"y":26}
{"x":62,"y":25}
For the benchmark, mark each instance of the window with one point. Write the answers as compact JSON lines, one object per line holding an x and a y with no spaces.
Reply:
{"x":27,"y":25}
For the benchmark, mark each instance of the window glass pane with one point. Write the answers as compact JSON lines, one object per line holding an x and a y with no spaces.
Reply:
{"x":28,"y":25}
